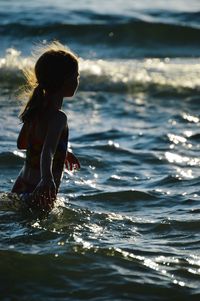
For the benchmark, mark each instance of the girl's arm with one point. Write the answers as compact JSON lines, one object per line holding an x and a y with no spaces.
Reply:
{"x":46,"y":189}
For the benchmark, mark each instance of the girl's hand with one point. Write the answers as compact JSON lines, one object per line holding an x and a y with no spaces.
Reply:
{"x":71,"y":161}
{"x":45,"y":193}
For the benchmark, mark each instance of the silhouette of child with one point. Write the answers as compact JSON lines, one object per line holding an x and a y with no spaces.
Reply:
{"x":44,"y":133}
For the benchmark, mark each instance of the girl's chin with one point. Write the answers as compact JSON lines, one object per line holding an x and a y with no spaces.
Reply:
{"x":69,"y":94}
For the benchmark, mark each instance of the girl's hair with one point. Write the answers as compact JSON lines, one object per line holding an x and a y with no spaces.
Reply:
{"x":52,"y":68}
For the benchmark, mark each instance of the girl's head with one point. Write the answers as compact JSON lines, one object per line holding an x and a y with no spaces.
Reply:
{"x":55,"y":72}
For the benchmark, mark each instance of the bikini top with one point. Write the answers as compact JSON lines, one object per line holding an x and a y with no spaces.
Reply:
{"x":35,"y":145}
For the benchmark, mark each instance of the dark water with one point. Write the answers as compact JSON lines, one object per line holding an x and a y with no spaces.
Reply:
{"x":126,"y":226}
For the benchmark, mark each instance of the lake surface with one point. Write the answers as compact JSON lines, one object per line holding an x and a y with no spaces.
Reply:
{"x":126,"y":226}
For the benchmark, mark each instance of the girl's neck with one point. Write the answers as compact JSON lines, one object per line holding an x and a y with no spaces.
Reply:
{"x":55,"y":100}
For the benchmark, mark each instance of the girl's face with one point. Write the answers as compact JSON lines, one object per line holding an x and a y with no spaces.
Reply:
{"x":70,"y":85}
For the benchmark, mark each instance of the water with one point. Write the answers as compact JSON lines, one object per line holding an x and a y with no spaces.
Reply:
{"x":126,"y":226}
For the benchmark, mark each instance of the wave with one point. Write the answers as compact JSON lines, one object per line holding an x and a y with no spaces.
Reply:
{"x":153,"y":76}
{"x":134,"y":31}
{"x":119,"y":196}
{"x":170,"y":225}
{"x":11,"y":159}
{"x":187,"y":18}
{"x":120,"y":32}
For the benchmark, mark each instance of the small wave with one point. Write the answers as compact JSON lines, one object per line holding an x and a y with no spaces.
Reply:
{"x":108,"y":134}
{"x":10,"y":202}
{"x":153,"y":76}
{"x":195,"y":137}
{"x":133,"y":32}
{"x":168,"y":181}
{"x":184,"y":18}
{"x":119,"y":196}
{"x":11,"y":159}
{"x":169,"y":228}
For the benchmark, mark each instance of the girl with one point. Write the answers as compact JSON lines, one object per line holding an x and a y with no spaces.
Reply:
{"x":44,"y":133}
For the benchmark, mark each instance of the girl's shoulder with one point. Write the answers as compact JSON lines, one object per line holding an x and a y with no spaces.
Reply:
{"x":61,"y":115}
{"x":58,"y":117}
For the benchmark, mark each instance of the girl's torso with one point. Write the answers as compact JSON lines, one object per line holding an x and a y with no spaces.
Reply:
{"x":37,"y":130}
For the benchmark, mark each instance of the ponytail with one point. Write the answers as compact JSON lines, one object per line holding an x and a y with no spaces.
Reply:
{"x":35,"y":104}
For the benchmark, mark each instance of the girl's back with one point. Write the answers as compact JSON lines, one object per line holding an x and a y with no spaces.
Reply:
{"x":38,"y":128}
